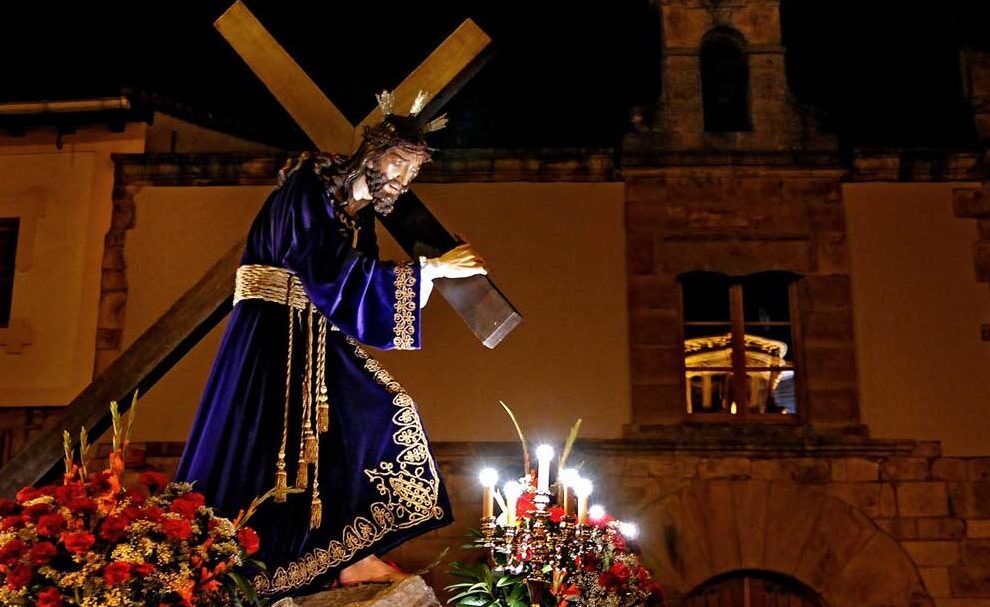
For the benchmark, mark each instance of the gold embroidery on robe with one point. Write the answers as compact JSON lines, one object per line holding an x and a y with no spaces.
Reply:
{"x":405,"y":306}
{"x":409,"y":486}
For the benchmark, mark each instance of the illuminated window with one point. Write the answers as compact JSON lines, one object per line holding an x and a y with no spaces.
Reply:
{"x":8,"y":249}
{"x":739,"y":350}
{"x":725,"y":81}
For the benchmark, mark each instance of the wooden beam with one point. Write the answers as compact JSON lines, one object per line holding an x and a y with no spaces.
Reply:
{"x":139,"y":367}
{"x":315,"y":114}
{"x":440,"y":75}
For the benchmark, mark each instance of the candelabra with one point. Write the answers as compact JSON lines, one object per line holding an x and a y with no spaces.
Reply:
{"x":543,"y":543}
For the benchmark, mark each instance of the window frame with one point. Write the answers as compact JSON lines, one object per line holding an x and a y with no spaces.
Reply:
{"x":737,"y":324}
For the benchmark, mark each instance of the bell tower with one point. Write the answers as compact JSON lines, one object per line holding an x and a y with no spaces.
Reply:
{"x":724,"y":86}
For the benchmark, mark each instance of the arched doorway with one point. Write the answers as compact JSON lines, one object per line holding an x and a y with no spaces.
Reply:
{"x":752,"y":589}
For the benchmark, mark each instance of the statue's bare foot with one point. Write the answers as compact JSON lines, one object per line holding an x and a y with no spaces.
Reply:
{"x":370,"y":569}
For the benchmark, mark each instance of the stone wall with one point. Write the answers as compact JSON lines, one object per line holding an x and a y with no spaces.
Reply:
{"x":861,"y":522}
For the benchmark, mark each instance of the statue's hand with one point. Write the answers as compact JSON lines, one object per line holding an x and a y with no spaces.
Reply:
{"x":460,"y":262}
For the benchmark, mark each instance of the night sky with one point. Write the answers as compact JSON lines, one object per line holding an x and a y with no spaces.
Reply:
{"x":564,"y":73}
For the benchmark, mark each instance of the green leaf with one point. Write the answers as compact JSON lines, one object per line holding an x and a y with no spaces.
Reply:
{"x":503,"y":581}
{"x":249,"y":592}
{"x":461,"y":595}
{"x":475,"y":601}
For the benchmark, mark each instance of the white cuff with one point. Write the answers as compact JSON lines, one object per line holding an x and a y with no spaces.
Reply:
{"x":427,"y":272}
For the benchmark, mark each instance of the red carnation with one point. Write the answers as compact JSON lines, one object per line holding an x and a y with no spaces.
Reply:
{"x":153,"y":480}
{"x":525,"y":506}
{"x":143,"y":569}
{"x":135,"y":496}
{"x":82,"y":505}
{"x":184,"y":507}
{"x":113,"y":528}
{"x":248,"y":539}
{"x":50,"y":597}
{"x":42,"y":553}
{"x":66,"y":493}
{"x":7,"y":507}
{"x":151,"y":513}
{"x":194,"y":497}
{"x":117,"y":572}
{"x":27,"y":494}
{"x":51,"y":525}
{"x":78,"y":542}
{"x":19,"y":576}
{"x":11,"y":521}
{"x":556,"y":514}
{"x":12,"y":551}
{"x":36,"y":510}
{"x":176,"y":529}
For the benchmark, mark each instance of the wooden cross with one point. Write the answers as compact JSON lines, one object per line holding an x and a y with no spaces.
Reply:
{"x":477,"y":300}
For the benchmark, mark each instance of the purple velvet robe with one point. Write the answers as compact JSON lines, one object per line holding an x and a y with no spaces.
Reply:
{"x":379,"y":482}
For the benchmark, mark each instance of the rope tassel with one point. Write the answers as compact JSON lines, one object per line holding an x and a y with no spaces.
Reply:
{"x":302,"y":474}
{"x":316,"y":513}
{"x":281,"y":485}
{"x":310,"y":447}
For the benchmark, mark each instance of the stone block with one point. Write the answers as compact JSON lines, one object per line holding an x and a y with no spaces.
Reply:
{"x":654,"y":328}
{"x":736,"y":468}
{"x":830,"y":367}
{"x":112,"y":308}
{"x":970,"y":582}
{"x":932,"y":553}
{"x":936,"y":581}
{"x":855,"y":469}
{"x":654,"y":293}
{"x":942,"y":528}
{"x":970,"y":499}
{"x":949,"y":469}
{"x":830,"y":253}
{"x":652,"y":404}
{"x":831,"y":406}
{"x":827,"y":327}
{"x":640,"y":253}
{"x":824,"y":292}
{"x":875,"y":500}
{"x":899,"y":528}
{"x":795,"y":470}
{"x":905,"y":469}
{"x":979,"y":469}
{"x":976,"y":553}
{"x":656,"y":365}
{"x":645,"y":190}
{"x":113,"y":280}
{"x":922,"y":499}
{"x":661,"y":216}
{"x":978,"y":528}
{"x":113,"y":258}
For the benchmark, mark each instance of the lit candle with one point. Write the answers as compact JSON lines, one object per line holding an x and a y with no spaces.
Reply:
{"x":544,"y":453}
{"x":630,"y":530}
{"x":488,"y":478}
{"x":512,"y":491}
{"x":568,"y":477}
{"x":583,"y":489}
{"x":596,"y":512}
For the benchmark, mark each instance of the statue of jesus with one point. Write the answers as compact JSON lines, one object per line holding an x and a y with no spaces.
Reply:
{"x":294,"y":399}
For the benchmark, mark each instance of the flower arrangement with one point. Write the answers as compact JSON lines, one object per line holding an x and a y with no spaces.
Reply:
{"x":91,"y":542}
{"x":548,"y":548}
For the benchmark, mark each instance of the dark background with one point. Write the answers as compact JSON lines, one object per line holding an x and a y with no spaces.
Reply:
{"x":564,"y":74}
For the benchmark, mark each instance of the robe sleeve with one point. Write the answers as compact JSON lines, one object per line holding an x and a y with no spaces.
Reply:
{"x":376,"y":302}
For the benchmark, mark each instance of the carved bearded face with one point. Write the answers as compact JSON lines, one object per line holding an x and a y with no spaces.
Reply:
{"x":389,"y":174}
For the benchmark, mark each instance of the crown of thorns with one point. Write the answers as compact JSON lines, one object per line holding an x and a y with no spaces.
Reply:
{"x":402,"y":130}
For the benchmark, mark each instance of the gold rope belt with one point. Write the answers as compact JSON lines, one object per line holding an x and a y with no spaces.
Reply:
{"x":279,"y":285}
{"x":269,"y":283}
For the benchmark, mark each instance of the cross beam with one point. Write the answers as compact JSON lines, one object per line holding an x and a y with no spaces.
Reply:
{"x":477,"y":300}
